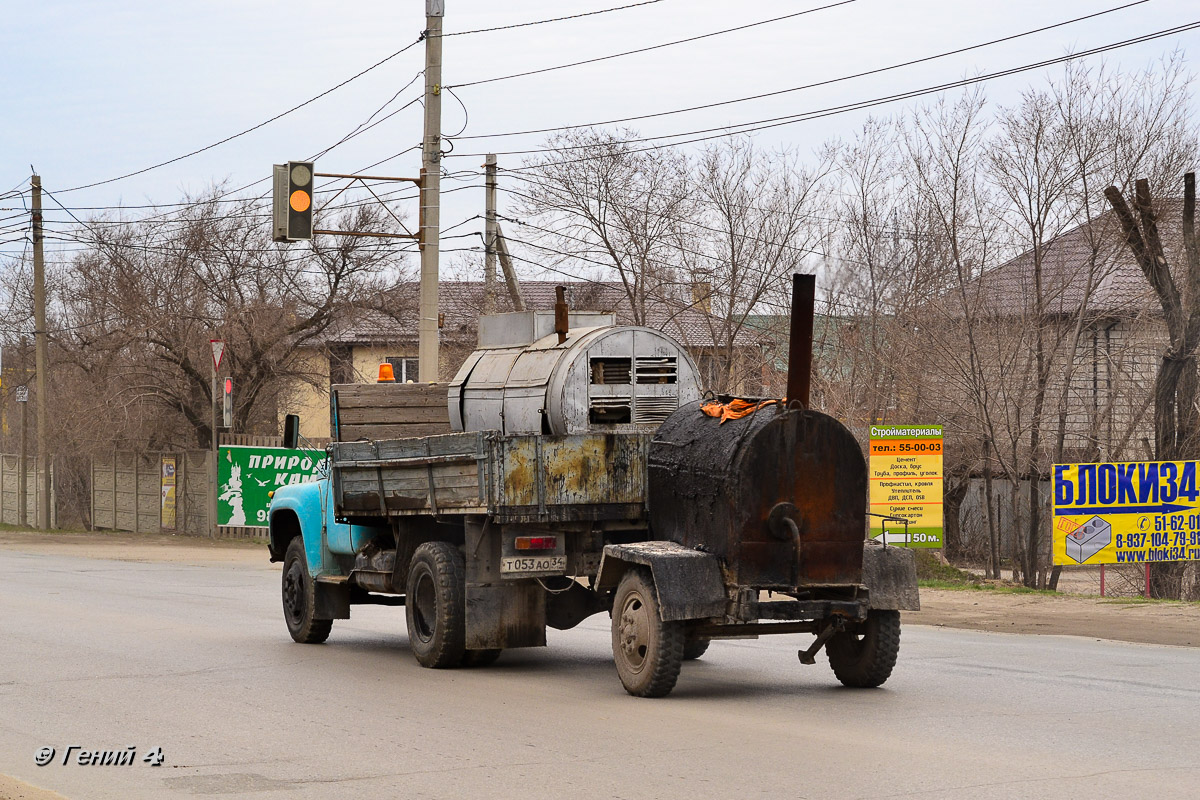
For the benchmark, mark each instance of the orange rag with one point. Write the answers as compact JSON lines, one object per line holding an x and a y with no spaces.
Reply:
{"x":734,"y":409}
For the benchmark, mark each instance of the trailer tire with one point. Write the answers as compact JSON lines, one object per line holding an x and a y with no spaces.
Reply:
{"x":695,"y":646}
{"x":434,"y":605}
{"x":864,"y":658}
{"x":647,"y":651}
{"x":300,"y":597}
{"x":481,"y":658}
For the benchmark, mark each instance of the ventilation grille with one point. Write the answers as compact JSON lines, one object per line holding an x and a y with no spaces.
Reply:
{"x":657,"y":370}
{"x":614,"y":410}
{"x":655,"y":408}
{"x":611,"y":371}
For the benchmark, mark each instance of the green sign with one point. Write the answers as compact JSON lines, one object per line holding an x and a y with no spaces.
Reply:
{"x":246,"y":474}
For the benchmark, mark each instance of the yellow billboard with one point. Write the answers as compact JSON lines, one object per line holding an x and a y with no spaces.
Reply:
{"x":906,"y":484}
{"x":1126,"y":513}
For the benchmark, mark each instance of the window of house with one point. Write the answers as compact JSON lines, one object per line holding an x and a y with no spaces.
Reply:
{"x":405,"y":368}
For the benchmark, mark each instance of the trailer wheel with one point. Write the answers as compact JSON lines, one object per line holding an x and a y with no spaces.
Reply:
{"x":481,"y":658}
{"x":648,"y":652}
{"x":864,"y":658}
{"x":300,"y":597}
{"x":436,"y":595}
{"x":695,"y":646}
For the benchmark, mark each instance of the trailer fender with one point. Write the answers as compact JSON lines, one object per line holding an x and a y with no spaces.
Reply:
{"x":688,"y":582}
{"x":890,"y":574}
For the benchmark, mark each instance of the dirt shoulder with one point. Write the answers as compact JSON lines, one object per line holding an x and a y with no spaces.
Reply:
{"x":1065,"y":615}
{"x":145,"y":548}
{"x":1148,"y":622}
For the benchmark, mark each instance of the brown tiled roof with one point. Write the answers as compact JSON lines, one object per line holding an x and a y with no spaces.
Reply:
{"x":462,"y":302}
{"x":1095,"y":251}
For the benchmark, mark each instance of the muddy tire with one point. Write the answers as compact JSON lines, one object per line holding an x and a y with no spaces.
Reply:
{"x":434,"y":605}
{"x":648,"y":652}
{"x":864,"y":658}
{"x":481,"y":658}
{"x":300,"y":597}
{"x":694,"y":647}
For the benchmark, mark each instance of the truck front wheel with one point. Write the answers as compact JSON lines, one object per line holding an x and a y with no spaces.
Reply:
{"x":300,"y":597}
{"x":863,"y":658}
{"x":436,"y":595}
{"x":648,"y":651}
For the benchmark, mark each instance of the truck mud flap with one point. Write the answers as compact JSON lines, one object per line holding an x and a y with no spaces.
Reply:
{"x":688,"y":582}
{"x":890,"y":574}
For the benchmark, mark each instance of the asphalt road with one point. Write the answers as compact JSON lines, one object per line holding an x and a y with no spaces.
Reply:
{"x":195,"y":660}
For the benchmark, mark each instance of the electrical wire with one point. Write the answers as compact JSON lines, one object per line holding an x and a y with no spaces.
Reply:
{"x":828,"y":82}
{"x":527,"y":73}
{"x":313,"y":99}
{"x":774,"y":122}
{"x":545,"y":21}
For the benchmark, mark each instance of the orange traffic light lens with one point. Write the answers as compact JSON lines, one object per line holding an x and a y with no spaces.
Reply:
{"x":300,"y":201}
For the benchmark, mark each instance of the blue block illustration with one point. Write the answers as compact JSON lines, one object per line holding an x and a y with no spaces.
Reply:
{"x":1088,"y":539}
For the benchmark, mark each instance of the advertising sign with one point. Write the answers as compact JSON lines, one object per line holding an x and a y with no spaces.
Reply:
{"x":906,"y":482}
{"x":246,"y":474}
{"x":1126,"y":513}
{"x":167,"y":512}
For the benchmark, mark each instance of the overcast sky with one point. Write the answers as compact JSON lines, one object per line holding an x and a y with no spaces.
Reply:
{"x":92,"y":90}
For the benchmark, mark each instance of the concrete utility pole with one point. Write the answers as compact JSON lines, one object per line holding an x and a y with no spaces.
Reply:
{"x":494,"y":246}
{"x":431,"y":186}
{"x":23,"y":478}
{"x":490,"y":234}
{"x":41,"y":355}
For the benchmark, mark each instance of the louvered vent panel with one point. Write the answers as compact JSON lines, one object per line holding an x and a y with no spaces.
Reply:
{"x":657,"y":370}
{"x":611,"y":370}
{"x":613,"y":410}
{"x":654,"y":408}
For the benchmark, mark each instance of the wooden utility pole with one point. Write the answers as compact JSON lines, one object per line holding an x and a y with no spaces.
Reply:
{"x":23,"y":477}
{"x":490,"y":234}
{"x":41,"y":355}
{"x":431,"y":182}
{"x":510,"y":274}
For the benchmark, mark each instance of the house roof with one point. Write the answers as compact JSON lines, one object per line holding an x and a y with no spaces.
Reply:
{"x":1088,"y":266}
{"x":461,"y":303}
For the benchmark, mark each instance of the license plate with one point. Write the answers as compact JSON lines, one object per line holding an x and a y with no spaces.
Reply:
{"x":534,"y":564}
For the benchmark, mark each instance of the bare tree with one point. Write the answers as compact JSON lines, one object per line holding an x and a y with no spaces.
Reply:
{"x":603,"y":203}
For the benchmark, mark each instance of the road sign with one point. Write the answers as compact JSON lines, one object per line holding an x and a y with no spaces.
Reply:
{"x":1126,"y":513}
{"x":218,"y":350}
{"x":22,"y":394}
{"x":906,"y":482}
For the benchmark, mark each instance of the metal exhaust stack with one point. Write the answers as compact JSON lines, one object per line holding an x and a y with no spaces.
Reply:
{"x":800,"y":342}
{"x":561,"y":318}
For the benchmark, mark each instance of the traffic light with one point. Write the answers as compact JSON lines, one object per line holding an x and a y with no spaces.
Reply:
{"x":293,"y":201}
{"x":228,"y":404}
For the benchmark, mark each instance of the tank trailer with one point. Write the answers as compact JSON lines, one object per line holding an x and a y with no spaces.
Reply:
{"x":572,"y":468}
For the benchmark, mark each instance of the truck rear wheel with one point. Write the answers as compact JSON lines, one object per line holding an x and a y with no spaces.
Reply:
{"x":648,"y":651}
{"x":300,"y":597}
{"x":863,"y":658}
{"x":434,"y":607}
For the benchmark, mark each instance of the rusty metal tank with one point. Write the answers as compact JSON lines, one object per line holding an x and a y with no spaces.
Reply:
{"x":595,"y":377}
{"x":779,"y":495}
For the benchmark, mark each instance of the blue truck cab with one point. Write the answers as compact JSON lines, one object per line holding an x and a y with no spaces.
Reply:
{"x":305,"y":510}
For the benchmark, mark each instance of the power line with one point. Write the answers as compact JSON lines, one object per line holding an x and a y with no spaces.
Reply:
{"x":805,"y":86}
{"x":379,"y":63}
{"x":555,"y":19}
{"x":646,"y":49}
{"x":774,"y":122}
